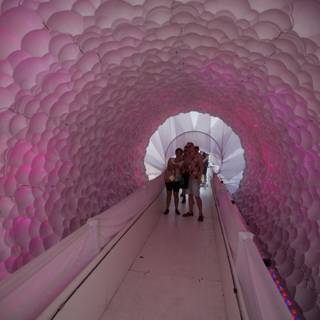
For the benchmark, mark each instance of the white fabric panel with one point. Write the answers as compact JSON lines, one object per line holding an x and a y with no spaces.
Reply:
{"x":194,"y":119}
{"x":217,"y":131}
{"x":264,"y":300}
{"x":153,"y":172}
{"x":165,"y":138}
{"x":204,"y":121}
{"x":231,"y":143}
{"x":232,"y":167}
{"x":157,"y":162}
{"x":233,"y":154}
{"x":46,"y":276}
{"x":154,"y":152}
{"x":232,"y":183}
{"x":198,"y":138}
{"x":182,"y":123}
{"x":158,"y":144}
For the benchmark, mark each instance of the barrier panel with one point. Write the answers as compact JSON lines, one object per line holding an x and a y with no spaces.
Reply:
{"x":261,"y":298}
{"x":27,"y":292}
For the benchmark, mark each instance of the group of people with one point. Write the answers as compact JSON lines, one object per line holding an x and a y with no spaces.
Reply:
{"x":185,"y":172}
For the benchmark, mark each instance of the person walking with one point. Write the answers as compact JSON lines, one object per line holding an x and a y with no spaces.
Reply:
{"x":194,"y":164}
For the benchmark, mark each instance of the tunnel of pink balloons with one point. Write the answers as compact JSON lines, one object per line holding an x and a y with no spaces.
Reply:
{"x":85,"y":83}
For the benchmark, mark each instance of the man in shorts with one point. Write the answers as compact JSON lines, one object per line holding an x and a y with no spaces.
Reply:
{"x":194,"y":164}
{"x":172,"y":177}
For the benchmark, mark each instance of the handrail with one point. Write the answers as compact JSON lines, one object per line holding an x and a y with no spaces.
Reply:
{"x":47,"y":275}
{"x":260,"y":295}
{"x":236,"y":285}
{"x":107,"y":248}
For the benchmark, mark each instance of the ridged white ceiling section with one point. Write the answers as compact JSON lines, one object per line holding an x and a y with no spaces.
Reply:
{"x":85,"y":83}
{"x":211,"y":134}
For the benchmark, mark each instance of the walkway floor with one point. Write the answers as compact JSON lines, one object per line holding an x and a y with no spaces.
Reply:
{"x":176,"y":275}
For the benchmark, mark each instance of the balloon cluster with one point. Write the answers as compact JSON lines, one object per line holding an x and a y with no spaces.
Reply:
{"x":85,"y":83}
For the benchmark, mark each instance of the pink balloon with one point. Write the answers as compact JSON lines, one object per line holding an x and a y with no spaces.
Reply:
{"x":21,"y":231}
{"x":24,"y":197}
{"x":27,"y":71}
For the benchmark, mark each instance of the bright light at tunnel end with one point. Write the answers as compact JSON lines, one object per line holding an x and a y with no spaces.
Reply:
{"x":83,"y":79}
{"x":210,"y":133}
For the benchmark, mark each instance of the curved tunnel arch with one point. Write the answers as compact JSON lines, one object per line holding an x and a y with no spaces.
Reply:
{"x":207,"y":150}
{"x":91,"y":84}
{"x":210,"y":133}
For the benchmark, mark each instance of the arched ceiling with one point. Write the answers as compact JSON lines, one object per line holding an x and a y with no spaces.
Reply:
{"x":85,"y":83}
{"x":209,"y":133}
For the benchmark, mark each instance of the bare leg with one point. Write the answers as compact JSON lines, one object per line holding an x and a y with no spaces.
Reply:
{"x":199,"y":205}
{"x":191,"y":202}
{"x":169,"y":194}
{"x":176,"y":199}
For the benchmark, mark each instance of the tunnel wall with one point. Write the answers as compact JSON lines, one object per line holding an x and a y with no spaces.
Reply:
{"x":84,"y":84}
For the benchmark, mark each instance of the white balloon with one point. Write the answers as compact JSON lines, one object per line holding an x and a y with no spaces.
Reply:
{"x":68,"y":22}
{"x":36,"y":42}
{"x":306,"y":17}
{"x":84,"y":7}
{"x":38,"y":122}
{"x":20,"y":21}
{"x":18,"y":122}
{"x":87,"y":61}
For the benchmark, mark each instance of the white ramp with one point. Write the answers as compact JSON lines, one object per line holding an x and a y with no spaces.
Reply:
{"x":177,"y":273}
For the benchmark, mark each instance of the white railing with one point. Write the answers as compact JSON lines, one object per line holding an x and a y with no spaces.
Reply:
{"x":261,"y":298}
{"x":26,"y":293}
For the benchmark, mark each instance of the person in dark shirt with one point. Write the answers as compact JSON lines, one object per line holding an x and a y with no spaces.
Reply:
{"x":194,"y":166}
{"x":173,"y":179}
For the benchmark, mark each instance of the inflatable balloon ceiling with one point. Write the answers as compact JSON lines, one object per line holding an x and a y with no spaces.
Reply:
{"x":210,"y":134}
{"x":85,"y":83}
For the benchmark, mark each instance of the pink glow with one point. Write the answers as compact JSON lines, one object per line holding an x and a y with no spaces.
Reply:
{"x":84,"y":80}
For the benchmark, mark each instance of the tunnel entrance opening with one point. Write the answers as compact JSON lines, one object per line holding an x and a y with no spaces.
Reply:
{"x":212,"y":136}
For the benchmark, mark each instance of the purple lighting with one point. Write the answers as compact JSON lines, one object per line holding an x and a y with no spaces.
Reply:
{"x":286,"y":297}
{"x":85,"y":83}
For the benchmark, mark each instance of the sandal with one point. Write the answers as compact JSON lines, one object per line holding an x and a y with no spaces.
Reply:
{"x":177,"y":212}
{"x":188,"y":214}
{"x":200,"y":218}
{"x":166,"y":212}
